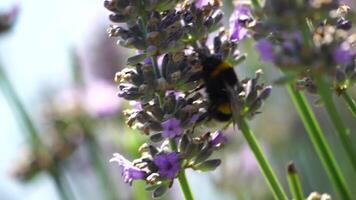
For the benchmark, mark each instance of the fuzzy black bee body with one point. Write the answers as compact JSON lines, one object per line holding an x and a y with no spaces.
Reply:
{"x":217,"y":75}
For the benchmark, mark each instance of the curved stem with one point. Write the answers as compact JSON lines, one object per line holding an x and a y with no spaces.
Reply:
{"x":62,"y":192}
{"x":350,"y":102}
{"x":182,"y":179}
{"x":256,"y":4}
{"x":343,"y":133}
{"x":265,"y":167}
{"x":319,"y":142}
{"x":96,"y":159}
{"x":19,"y":109}
{"x":294,"y":183}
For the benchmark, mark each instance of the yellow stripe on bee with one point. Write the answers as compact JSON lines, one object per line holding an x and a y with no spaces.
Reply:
{"x":224,"y":108}
{"x":220,"y":68}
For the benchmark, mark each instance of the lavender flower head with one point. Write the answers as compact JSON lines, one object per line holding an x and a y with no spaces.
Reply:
{"x":171,"y":128}
{"x":165,"y":78}
{"x":239,"y":21}
{"x":100,"y":99}
{"x":168,"y":164}
{"x":321,"y":46}
{"x":129,"y":171}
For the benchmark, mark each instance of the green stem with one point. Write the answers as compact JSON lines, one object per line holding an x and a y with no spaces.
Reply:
{"x":182,"y":179}
{"x":256,"y":4}
{"x":265,"y":167}
{"x":101,"y":171}
{"x":319,"y":141}
{"x":343,"y":133}
{"x":18,"y":107}
{"x":294,"y":183}
{"x":62,"y":192}
{"x":350,"y":102}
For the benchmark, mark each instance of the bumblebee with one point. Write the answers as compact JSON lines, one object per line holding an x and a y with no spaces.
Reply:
{"x":218,"y":75}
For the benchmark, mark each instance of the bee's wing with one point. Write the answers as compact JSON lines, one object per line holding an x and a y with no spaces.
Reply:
{"x":234,"y":104}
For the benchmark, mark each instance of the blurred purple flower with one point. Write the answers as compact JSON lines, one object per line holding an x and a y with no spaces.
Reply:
{"x":265,"y":48}
{"x":168,"y":164}
{"x":342,"y":56}
{"x":7,"y":19}
{"x":171,"y":128}
{"x":248,"y":162}
{"x":129,"y":171}
{"x":239,"y":18}
{"x":217,"y":139}
{"x":100,"y":99}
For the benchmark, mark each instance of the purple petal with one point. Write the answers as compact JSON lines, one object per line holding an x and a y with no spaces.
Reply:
{"x":201,"y":3}
{"x":238,"y":19}
{"x":129,"y":171}
{"x":218,"y":139}
{"x":171,"y":128}
{"x":168,"y":164}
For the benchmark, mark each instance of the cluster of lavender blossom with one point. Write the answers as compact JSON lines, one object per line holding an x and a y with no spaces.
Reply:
{"x":305,"y":40}
{"x":164,"y":80}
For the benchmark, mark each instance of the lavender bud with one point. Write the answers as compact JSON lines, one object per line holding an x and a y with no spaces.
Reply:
{"x":208,"y":165}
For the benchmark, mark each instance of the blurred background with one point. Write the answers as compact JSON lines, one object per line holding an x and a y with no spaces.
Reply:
{"x":61,"y":119}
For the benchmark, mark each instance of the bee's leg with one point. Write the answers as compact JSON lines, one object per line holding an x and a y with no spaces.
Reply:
{"x":196,"y":89}
{"x":227,"y":125}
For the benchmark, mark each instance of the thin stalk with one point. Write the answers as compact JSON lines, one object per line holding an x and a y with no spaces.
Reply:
{"x":182,"y":179}
{"x":61,"y":183}
{"x":319,"y":142}
{"x":264,"y":165}
{"x":294,"y":183}
{"x":350,"y":102}
{"x":256,"y":4}
{"x":62,"y":192}
{"x":18,"y":107}
{"x":343,"y":133}
{"x":101,"y":171}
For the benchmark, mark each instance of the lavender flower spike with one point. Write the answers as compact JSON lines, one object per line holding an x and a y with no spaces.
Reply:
{"x":168,"y":164}
{"x":171,"y":128}
{"x":129,"y":171}
{"x":238,"y":21}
